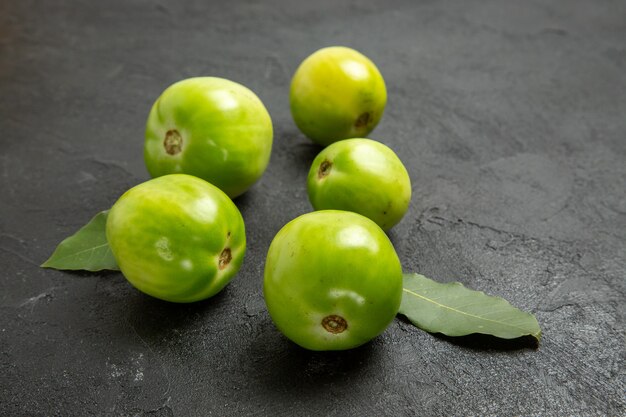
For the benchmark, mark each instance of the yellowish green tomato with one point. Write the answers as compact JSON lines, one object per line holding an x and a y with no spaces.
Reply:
{"x":363,"y":176}
{"x":333,"y":280}
{"x":337,"y":93}
{"x":212,"y":128}
{"x":177,"y":238}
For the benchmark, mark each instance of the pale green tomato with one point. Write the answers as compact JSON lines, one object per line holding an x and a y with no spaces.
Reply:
{"x":212,"y":128}
{"x":337,"y":93}
{"x":333,"y":280}
{"x":363,"y":176}
{"x":177,"y":238}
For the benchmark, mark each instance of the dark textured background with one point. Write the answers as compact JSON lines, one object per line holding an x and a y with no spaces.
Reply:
{"x":510,"y":117}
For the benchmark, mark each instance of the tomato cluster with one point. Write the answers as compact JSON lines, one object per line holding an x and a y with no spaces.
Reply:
{"x":332,"y":277}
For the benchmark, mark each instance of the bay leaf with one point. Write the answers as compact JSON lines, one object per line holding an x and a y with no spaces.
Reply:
{"x":87,"y":249}
{"x":455,"y":310}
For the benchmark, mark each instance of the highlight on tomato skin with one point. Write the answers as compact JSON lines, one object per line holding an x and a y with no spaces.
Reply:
{"x":337,"y":93}
{"x":363,"y":176}
{"x":177,"y":238}
{"x":212,"y":128}
{"x":332,"y":280}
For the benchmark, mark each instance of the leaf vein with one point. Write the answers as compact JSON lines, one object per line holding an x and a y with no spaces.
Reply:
{"x":462,"y":312}
{"x":73,"y":254}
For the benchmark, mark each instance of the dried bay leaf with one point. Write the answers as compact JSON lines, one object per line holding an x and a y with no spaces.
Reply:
{"x":455,"y":310}
{"x":86,"y":249}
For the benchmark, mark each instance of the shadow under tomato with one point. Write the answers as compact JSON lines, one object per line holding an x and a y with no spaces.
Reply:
{"x":154,"y":318}
{"x":280,"y":366}
{"x":305,"y":153}
{"x":245,"y":199}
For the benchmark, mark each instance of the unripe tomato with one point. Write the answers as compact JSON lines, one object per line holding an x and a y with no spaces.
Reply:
{"x":212,"y":128}
{"x":363,"y":176}
{"x":177,"y":238}
{"x":333,"y":280}
{"x":337,"y":93}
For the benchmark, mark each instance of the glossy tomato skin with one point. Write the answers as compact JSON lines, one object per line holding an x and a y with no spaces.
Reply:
{"x":363,"y":176}
{"x":177,"y":238}
{"x":212,"y":128}
{"x":333,"y":280}
{"x":337,"y":93}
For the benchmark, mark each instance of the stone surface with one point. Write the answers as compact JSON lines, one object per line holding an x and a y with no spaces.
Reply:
{"x":510,"y":117}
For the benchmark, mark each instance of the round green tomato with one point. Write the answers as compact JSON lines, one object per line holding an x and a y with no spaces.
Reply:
{"x":177,"y":238}
{"x":333,"y":280}
{"x":363,"y":176}
{"x":212,"y":128}
{"x":337,"y":93}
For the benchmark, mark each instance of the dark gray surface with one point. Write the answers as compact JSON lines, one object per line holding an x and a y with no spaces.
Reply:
{"x":510,"y":117}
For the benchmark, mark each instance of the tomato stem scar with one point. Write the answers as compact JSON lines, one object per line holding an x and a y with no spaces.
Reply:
{"x":173,"y":142}
{"x":324,"y":169}
{"x":225,"y":258}
{"x":362,"y":120}
{"x":334,"y":324}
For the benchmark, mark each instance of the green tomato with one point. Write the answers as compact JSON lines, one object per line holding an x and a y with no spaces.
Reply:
{"x":177,"y":238}
{"x":212,"y":128}
{"x":333,"y":280}
{"x":337,"y":93}
{"x":363,"y":176}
